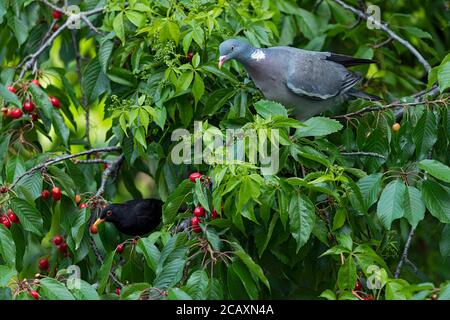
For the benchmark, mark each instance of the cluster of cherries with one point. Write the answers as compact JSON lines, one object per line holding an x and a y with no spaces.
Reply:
{"x":28,"y":105}
{"x":8,"y":218}
{"x":56,"y":194}
{"x":56,"y":15}
{"x":358,"y":289}
{"x":199,"y":212}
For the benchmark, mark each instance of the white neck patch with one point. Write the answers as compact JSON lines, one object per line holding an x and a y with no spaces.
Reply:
{"x":258,"y":55}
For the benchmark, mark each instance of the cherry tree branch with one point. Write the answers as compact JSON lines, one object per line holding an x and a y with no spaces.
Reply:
{"x":418,"y":100}
{"x":62,"y":158}
{"x":363,"y":154}
{"x":405,"y":254}
{"x":392,"y":34}
{"x":72,"y":18}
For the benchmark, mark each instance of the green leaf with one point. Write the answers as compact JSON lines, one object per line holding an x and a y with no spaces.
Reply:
{"x":370,"y":187}
{"x":150,"y":252}
{"x":267,"y":109}
{"x":6,"y":272}
{"x":178,"y":294}
{"x":243,"y":273}
{"x":104,"y":54}
{"x":437,"y":200}
{"x":61,"y":129}
{"x":54,"y":290}
{"x":43,"y":104}
{"x":301,"y":218}
{"x":390,"y":205}
{"x":251,"y":265}
{"x":7,"y":247}
{"x":173,"y":203}
{"x":184,"y":81}
{"x":134,"y":291}
{"x":394,"y":289}
{"x":197,"y":285}
{"x":198,"y":89}
{"x":414,"y":206}
{"x":9,"y":97}
{"x":339,"y":218}
{"x":318,"y":126}
{"x":443,"y":74}
{"x":201,"y":196}
{"x":103,"y":274}
{"x":136,"y":18}
{"x":85,"y":292}
{"x":347,"y":274}
{"x":425,"y":134}
{"x":29,"y":216}
{"x":328,"y":294}
{"x":119,"y":28}
{"x":436,"y":169}
{"x":95,"y":82}
{"x":444,"y":243}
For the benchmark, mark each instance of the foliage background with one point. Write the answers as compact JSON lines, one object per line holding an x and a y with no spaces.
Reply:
{"x":310,"y":231}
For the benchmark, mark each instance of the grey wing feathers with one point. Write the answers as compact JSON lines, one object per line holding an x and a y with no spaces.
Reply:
{"x":313,"y":76}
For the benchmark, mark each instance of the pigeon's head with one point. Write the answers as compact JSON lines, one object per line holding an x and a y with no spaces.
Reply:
{"x":233,"y":49}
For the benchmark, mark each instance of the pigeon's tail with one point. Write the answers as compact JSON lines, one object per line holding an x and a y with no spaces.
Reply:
{"x":362,"y":95}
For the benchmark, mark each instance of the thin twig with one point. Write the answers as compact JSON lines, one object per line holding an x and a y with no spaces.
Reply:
{"x":392,"y":34}
{"x":62,"y":158}
{"x":405,"y":253}
{"x":363,"y":154}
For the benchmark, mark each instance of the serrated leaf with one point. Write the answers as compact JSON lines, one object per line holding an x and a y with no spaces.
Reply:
{"x":414,"y":206}
{"x":437,"y":200}
{"x":7,"y":247}
{"x":29,"y":216}
{"x":104,"y":54}
{"x":425,"y":134}
{"x":54,"y":290}
{"x":267,"y":109}
{"x":301,"y":218}
{"x":119,"y":28}
{"x":103,"y":274}
{"x":390,"y":205}
{"x":178,"y":294}
{"x":347,"y":274}
{"x":9,"y":97}
{"x":173,"y":203}
{"x":436,"y":169}
{"x":318,"y":126}
{"x":150,"y":252}
{"x":197,"y":285}
{"x":85,"y":292}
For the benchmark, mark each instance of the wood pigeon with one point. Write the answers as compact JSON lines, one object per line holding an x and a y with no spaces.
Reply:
{"x":309,"y":82}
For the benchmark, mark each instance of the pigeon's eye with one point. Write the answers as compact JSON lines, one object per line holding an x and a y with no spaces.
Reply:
{"x":109,"y":213}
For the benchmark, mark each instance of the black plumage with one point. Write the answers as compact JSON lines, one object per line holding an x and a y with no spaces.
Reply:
{"x":135,"y":217}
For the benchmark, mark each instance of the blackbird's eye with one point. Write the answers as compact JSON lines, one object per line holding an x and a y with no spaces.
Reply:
{"x":109,"y":213}
{"x":232,"y":48}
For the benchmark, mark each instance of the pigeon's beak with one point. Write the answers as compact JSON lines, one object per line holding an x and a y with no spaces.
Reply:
{"x":222,"y":60}
{"x":97,"y":222}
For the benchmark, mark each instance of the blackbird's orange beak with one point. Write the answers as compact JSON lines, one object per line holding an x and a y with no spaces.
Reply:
{"x":97,"y":222}
{"x":222,"y":60}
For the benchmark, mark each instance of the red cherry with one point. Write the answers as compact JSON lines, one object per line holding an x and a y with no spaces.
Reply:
{"x":55,"y":27}
{"x":6,"y":222}
{"x":93,"y":229}
{"x":16,"y":113}
{"x":117,"y":291}
{"x":55,"y":102}
{"x":56,"y":15}
{"x":120,"y":248}
{"x":194,"y":176}
{"x":199,"y":212}
{"x":63,"y":247}
{"x":34,"y":294}
{"x":36,"y":82}
{"x":83,"y":206}
{"x":43,"y":264}
{"x":28,"y":106}
{"x":56,"y":193}
{"x":12,"y":216}
{"x":369,"y":297}
{"x":45,"y":194}
{"x":189,"y":56}
{"x":34,"y":117}
{"x":11,"y":89}
{"x":214,"y":214}
{"x":4,"y":189}
{"x":195,"y":227}
{"x":105,"y":166}
{"x":358,"y":286}
{"x":57,"y":240}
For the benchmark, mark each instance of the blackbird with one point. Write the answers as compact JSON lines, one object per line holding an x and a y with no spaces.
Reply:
{"x":135,"y":217}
